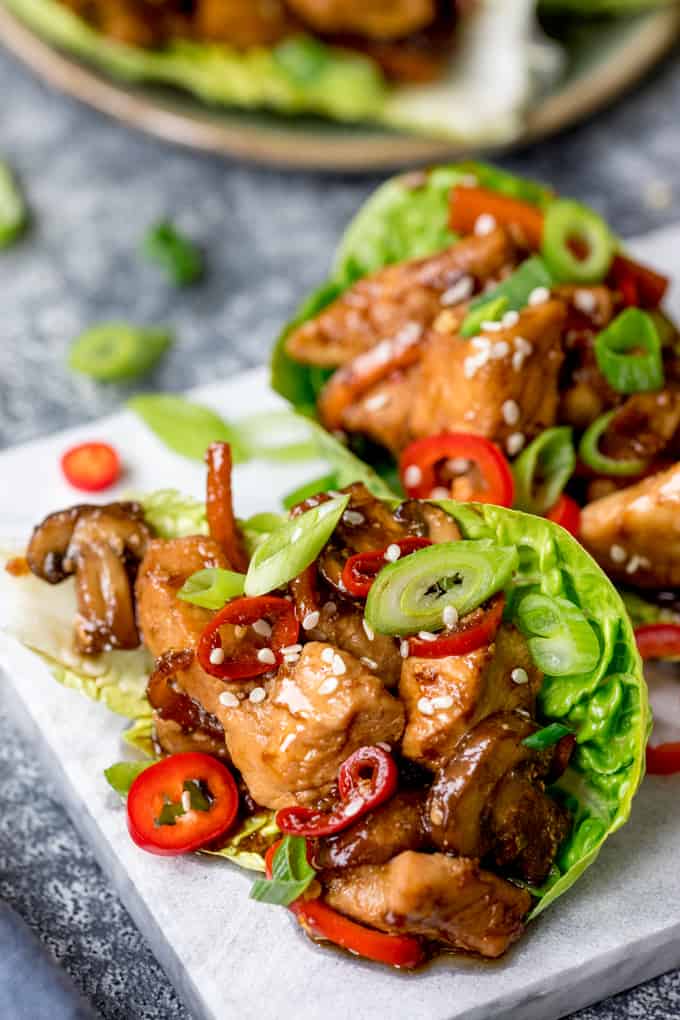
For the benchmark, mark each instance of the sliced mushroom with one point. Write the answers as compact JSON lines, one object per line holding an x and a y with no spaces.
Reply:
{"x":102,"y":546}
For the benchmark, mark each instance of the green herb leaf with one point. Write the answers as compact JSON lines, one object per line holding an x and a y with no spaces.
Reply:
{"x":122,"y":775}
{"x":177,"y":255}
{"x":117,"y":351}
{"x":13,"y":211}
{"x":517,"y":287}
{"x":186,"y":427}
{"x":546,"y":737}
{"x":291,"y":874}
{"x":309,"y":489}
{"x":211,"y":588}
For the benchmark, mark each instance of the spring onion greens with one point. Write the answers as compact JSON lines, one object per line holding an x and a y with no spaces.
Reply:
{"x":570,"y":229}
{"x":412,"y":594}
{"x":515,"y":290}
{"x":628,"y":353}
{"x":13,"y":211}
{"x":212,"y":587}
{"x":293,"y":439}
{"x":292,"y":874}
{"x":291,"y":548}
{"x":543,"y":469}
{"x":490,"y":311}
{"x":309,"y":489}
{"x":591,"y":455}
{"x":118,"y":351}
{"x":560,"y":638}
{"x":176,"y":254}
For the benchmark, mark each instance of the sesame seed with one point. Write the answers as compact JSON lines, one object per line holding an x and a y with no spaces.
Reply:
{"x":450,"y":616}
{"x":339,"y":665}
{"x":353,"y":517}
{"x":329,"y":685}
{"x":585,"y":301}
{"x":523,"y":712}
{"x":353,"y":808}
{"x":262,"y":628}
{"x":514,"y":443}
{"x":523,"y":345}
{"x":484,"y":224}
{"x":491,"y":326}
{"x":539,"y":296}
{"x":618,"y":553}
{"x":291,"y":649}
{"x":376,"y":402}
{"x":481,"y":343}
{"x":403,"y":649}
{"x":518,"y":360}
{"x":311,"y":620}
{"x":296,"y":534}
{"x":217,"y":656}
{"x":290,"y":660}
{"x":327,"y":655}
{"x":501,"y":349}
{"x":635,"y":563}
{"x":186,"y":801}
{"x":426,"y":635}
{"x":383,"y":746}
{"x":413,"y":475}
{"x":228,"y":699}
{"x":286,"y":742}
{"x":368,"y":630}
{"x":266,"y":656}
{"x":392,"y":553}
{"x":510,"y":411}
{"x":257,"y":695}
{"x":519,"y":676}
{"x":444,"y":701}
{"x":510,"y":319}
{"x":460,"y":291}
{"x":436,"y":815}
{"x":439,"y":492}
{"x":458,"y":465}
{"x":425,"y":706}
{"x":369,"y":663}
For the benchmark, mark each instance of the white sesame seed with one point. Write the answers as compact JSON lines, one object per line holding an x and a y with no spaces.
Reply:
{"x":291,"y":649}
{"x":385,"y":747}
{"x":443,"y":701}
{"x":266,"y":656}
{"x":334,"y":493}
{"x":217,"y":656}
{"x":327,"y":655}
{"x":439,"y":492}
{"x":368,"y":630}
{"x":500,"y":349}
{"x":262,"y":628}
{"x":376,"y":402}
{"x":450,"y":616}
{"x":470,"y":366}
{"x":518,"y":360}
{"x":484,"y":224}
{"x":339,"y":665}
{"x":311,"y":620}
{"x":186,"y":801}
{"x":436,"y":815}
{"x":286,"y":742}
{"x":460,"y":291}
{"x":403,"y":649}
{"x":392,"y":553}
{"x":292,"y":659}
{"x":481,"y":343}
{"x":458,"y":465}
{"x":413,"y":475}
{"x":369,"y":663}
{"x":523,"y":345}
{"x":426,"y":635}
{"x":353,"y":517}
{"x":492,"y":326}
{"x":257,"y":695}
{"x":618,"y":553}
{"x":228,"y":699}
{"x":519,"y":676}
{"x":523,"y":712}
{"x":353,"y":808}
{"x":514,"y":443}
{"x":539,"y":296}
{"x":425,"y":706}
{"x":510,"y":411}
{"x":585,"y":301}
{"x":510,"y":319}
{"x":635,"y":563}
{"x":329,"y":685}
{"x":296,"y":534}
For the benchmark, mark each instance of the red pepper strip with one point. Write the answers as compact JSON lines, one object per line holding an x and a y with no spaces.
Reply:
{"x":304,"y":591}
{"x":361,"y":570}
{"x":468,"y":204}
{"x":244,"y":663}
{"x":664,"y":759}
{"x":91,"y":466}
{"x":658,"y":640}
{"x":475,"y":633}
{"x":219,"y":506}
{"x":567,"y":513}
{"x":425,"y":454}
{"x":638,"y":284}
{"x":162,"y":785}
{"x":322,"y":922}
{"x":365,"y":780}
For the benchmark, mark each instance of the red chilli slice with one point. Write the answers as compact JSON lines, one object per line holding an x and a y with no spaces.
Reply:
{"x":418,"y":466}
{"x":244,"y":662}
{"x":91,"y":467}
{"x":361,"y":570}
{"x":472,"y":635}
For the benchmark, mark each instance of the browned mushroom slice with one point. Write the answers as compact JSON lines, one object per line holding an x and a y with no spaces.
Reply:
{"x":180,"y":722}
{"x":102,"y":546}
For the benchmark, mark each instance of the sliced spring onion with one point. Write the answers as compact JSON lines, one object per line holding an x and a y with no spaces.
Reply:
{"x":568,"y":229}
{"x":543,"y":469}
{"x":211,"y":588}
{"x":546,"y":737}
{"x":287,"y":551}
{"x":186,"y":427}
{"x":591,"y":455}
{"x":412,"y":594}
{"x":515,"y":289}
{"x":491,"y":311}
{"x":176,"y":254}
{"x":628,"y":353}
{"x":292,"y":435}
{"x":13,"y":212}
{"x":560,"y":639}
{"x":117,"y":351}
{"x":312,"y":488}
{"x":291,"y":874}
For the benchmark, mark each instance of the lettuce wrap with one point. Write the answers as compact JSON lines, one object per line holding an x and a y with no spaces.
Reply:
{"x":480,"y":99}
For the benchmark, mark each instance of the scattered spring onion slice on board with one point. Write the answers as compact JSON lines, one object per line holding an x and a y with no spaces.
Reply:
{"x":177,"y":255}
{"x":117,"y":351}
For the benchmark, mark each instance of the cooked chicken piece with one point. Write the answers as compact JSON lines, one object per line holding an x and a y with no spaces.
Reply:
{"x":342,"y":625}
{"x":501,"y":385}
{"x":316,"y":713}
{"x":646,"y":425}
{"x":180,"y":723}
{"x":492,"y":790}
{"x":590,"y":307}
{"x":447,"y":899}
{"x":382,"y":412}
{"x":242,"y":23}
{"x":476,"y":685}
{"x":102,"y":546}
{"x":634,"y":534}
{"x":407,"y":296}
{"x":377,"y":19}
{"x":378,"y":836}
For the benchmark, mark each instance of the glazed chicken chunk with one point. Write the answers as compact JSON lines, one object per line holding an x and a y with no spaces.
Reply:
{"x":377,"y":19}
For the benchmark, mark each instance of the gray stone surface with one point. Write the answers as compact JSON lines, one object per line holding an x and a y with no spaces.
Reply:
{"x":93,"y":188}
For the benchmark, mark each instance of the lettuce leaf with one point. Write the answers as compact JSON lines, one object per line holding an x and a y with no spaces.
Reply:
{"x":595,"y":8}
{"x":607,"y":709}
{"x":246,"y":846}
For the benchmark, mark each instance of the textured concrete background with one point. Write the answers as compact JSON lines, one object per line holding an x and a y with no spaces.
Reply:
{"x":93,"y":188}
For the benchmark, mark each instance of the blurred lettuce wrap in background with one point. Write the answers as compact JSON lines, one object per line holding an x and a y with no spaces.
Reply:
{"x":479,"y":98}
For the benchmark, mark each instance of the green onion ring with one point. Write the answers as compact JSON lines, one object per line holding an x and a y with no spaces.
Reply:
{"x":589,"y":452}
{"x":626,"y":372}
{"x":543,"y":469}
{"x":567,"y":221}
